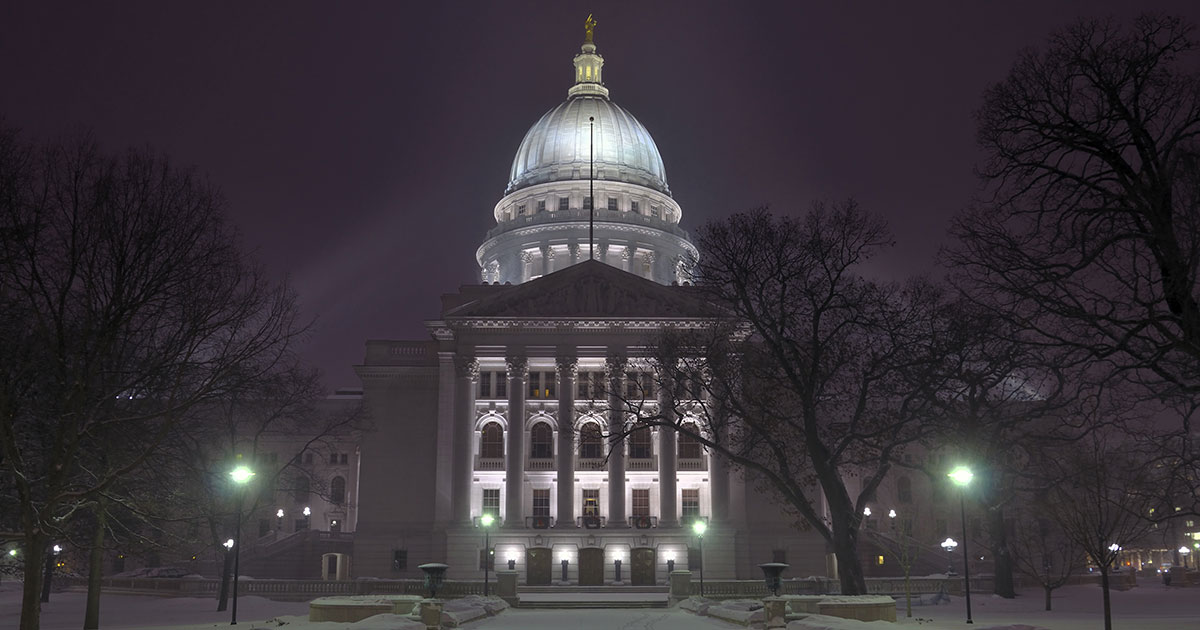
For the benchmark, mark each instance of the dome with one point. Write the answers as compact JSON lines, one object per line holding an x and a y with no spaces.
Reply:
{"x":556,"y":147}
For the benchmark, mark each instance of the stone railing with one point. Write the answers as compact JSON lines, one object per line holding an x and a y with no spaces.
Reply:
{"x":539,"y":464}
{"x":648,"y":463}
{"x":699,"y":463}
{"x":591,"y":464}
{"x":489,"y":463}
{"x":292,"y":590}
{"x":739,"y":589}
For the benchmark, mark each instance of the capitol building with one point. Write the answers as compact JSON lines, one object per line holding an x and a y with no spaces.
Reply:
{"x":506,"y":410}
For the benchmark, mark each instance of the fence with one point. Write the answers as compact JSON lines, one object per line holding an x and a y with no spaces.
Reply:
{"x":276,"y":589}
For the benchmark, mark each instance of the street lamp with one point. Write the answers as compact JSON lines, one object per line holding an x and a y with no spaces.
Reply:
{"x":48,"y":575}
{"x":307,"y":518}
{"x":1184,"y":551}
{"x":962,"y":476}
{"x":949,"y":544}
{"x":486,"y":521}
{"x":699,"y":526}
{"x":240,"y":476}
{"x":279,"y":521}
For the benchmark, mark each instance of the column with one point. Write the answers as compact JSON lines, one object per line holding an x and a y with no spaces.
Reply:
{"x":466,"y":370}
{"x":627,"y":258}
{"x":648,"y":256}
{"x":514,"y":487}
{"x":616,"y":456}
{"x":719,"y":470}
{"x":568,"y":370}
{"x":526,"y":266}
{"x":547,"y":257}
{"x":574,"y":249}
{"x":668,"y":510}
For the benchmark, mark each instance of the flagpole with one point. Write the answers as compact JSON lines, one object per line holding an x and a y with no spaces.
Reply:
{"x":591,"y":188}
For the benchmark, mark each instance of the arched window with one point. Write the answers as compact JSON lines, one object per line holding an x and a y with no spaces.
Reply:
{"x":337,"y":490}
{"x":639,"y":444}
{"x":689,"y":448}
{"x":541,"y":442}
{"x":591,"y":443}
{"x":492,"y":444}
{"x":904,"y":489}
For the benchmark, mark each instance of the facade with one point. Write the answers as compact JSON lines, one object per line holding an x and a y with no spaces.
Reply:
{"x":503,"y":410}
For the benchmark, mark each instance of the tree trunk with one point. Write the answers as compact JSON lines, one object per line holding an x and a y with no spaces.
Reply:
{"x":91,"y":615}
{"x":1107,"y":604}
{"x":226,"y":567}
{"x":1002,"y":564}
{"x":845,"y":549}
{"x":1048,"y":591}
{"x":907,"y":591}
{"x":31,"y":594}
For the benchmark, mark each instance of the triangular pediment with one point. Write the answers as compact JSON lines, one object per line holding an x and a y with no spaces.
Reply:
{"x":590,"y":289}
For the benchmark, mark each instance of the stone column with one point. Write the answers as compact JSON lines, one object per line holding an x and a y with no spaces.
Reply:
{"x":466,"y":370}
{"x":616,"y":456}
{"x":648,"y":256}
{"x":514,"y":487}
{"x":547,"y":257}
{"x":627,"y":259}
{"x":567,"y":372}
{"x":526,"y":266}
{"x":719,"y":469}
{"x":668,"y":511}
{"x":574,"y":249}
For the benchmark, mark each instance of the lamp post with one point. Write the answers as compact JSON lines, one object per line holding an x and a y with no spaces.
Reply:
{"x":949,"y":544}
{"x":48,"y":575}
{"x":279,"y":521}
{"x":486,"y":521}
{"x":1183,"y":552}
{"x":962,"y":476}
{"x":307,"y":518}
{"x":699,"y":526}
{"x":240,"y":476}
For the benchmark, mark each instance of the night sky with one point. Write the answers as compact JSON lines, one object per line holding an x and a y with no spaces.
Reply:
{"x":362,"y":146}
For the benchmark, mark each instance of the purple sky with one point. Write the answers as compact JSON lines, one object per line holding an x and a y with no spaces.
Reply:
{"x":362,"y":146}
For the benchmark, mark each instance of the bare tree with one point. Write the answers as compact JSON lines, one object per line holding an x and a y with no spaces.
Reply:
{"x":1042,"y":550}
{"x":1088,"y":234}
{"x":810,"y":375}
{"x":135,"y":306}
{"x":1102,"y":495}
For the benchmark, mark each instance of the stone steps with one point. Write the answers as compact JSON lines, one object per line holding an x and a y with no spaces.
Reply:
{"x":591,"y":604}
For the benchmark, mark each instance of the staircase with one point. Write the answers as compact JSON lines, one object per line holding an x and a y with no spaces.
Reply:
{"x":592,"y":597}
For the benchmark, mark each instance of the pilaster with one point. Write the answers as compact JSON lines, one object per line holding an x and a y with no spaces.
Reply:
{"x":514,"y":487}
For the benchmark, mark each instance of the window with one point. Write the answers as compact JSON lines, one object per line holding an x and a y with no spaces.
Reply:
{"x":343,"y":458}
{"x":491,"y":501}
{"x":632,"y":386}
{"x":541,"y":385}
{"x":641,"y":502}
{"x":501,"y":384}
{"x":655,"y":211}
{"x":337,"y":491}
{"x":541,"y":205}
{"x":333,"y":458}
{"x":639,"y":444}
{"x":779,"y":555}
{"x":399,"y":559}
{"x":535,"y":385}
{"x":564,"y":203}
{"x":647,"y":385}
{"x":485,"y":385}
{"x":521,"y":210}
{"x":691,"y":503}
{"x":590,"y":442}
{"x":904,"y":490}
{"x":689,"y":448}
{"x":879,"y":560}
{"x":548,"y":390}
{"x":541,"y":502}
{"x":633,"y":206}
{"x":541,"y":442}
{"x":612,"y":203}
{"x":587,"y":203}
{"x":491,"y":444}
{"x":300,"y":489}
{"x":591,"y":502}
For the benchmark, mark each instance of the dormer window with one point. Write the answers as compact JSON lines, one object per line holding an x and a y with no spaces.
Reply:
{"x":521,"y":210}
{"x":612,"y":203}
{"x":564,"y":203}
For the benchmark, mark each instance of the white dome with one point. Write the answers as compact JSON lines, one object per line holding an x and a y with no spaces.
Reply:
{"x":556,"y":147}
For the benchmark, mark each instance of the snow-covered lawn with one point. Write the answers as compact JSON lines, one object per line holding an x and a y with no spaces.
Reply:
{"x":1149,"y":607}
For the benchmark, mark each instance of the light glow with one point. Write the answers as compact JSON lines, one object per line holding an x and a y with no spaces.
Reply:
{"x":867,"y":511}
{"x":949,"y":544}
{"x":241,"y":474}
{"x":279,"y":513}
{"x":487,"y":519}
{"x":228,"y":544}
{"x":961,"y":476}
{"x":699,"y":527}
{"x":57,"y":549}
{"x":891,"y":513}
{"x":307,"y":511}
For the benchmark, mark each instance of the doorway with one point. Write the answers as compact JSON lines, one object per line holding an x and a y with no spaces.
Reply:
{"x":537,"y":566}
{"x":641,"y":570}
{"x":591,"y":566}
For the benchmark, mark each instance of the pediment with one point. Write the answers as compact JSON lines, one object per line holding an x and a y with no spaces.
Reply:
{"x":590,"y":289}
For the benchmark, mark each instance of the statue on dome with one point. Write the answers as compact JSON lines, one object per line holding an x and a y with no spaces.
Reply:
{"x":588,"y":27}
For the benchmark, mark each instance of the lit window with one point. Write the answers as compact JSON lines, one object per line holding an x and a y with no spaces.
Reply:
{"x":879,"y":560}
{"x":541,"y":502}
{"x":691,"y":503}
{"x":337,"y":490}
{"x":491,"y":501}
{"x":588,"y":73}
{"x":591,"y":503}
{"x":641,"y":502}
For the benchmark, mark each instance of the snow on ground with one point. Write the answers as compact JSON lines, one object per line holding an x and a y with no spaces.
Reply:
{"x":1149,"y":607}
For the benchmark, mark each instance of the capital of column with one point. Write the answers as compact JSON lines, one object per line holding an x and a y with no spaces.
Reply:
{"x":648,"y":255}
{"x":627,"y":254}
{"x":526,"y":257}
{"x":466,"y":366}
{"x":568,"y":367}
{"x":518,"y":367}
{"x":614,"y":365}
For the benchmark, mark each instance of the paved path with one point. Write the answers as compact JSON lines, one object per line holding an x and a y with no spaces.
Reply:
{"x":590,"y":619}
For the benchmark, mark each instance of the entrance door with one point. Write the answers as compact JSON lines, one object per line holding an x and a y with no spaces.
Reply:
{"x":591,"y":567}
{"x":537,"y":566}
{"x":641,"y":570}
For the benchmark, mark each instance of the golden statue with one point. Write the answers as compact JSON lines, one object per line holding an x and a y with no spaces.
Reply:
{"x":589,"y":26}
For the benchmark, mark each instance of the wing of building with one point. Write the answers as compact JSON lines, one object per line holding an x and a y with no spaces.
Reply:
{"x":503,"y":412}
